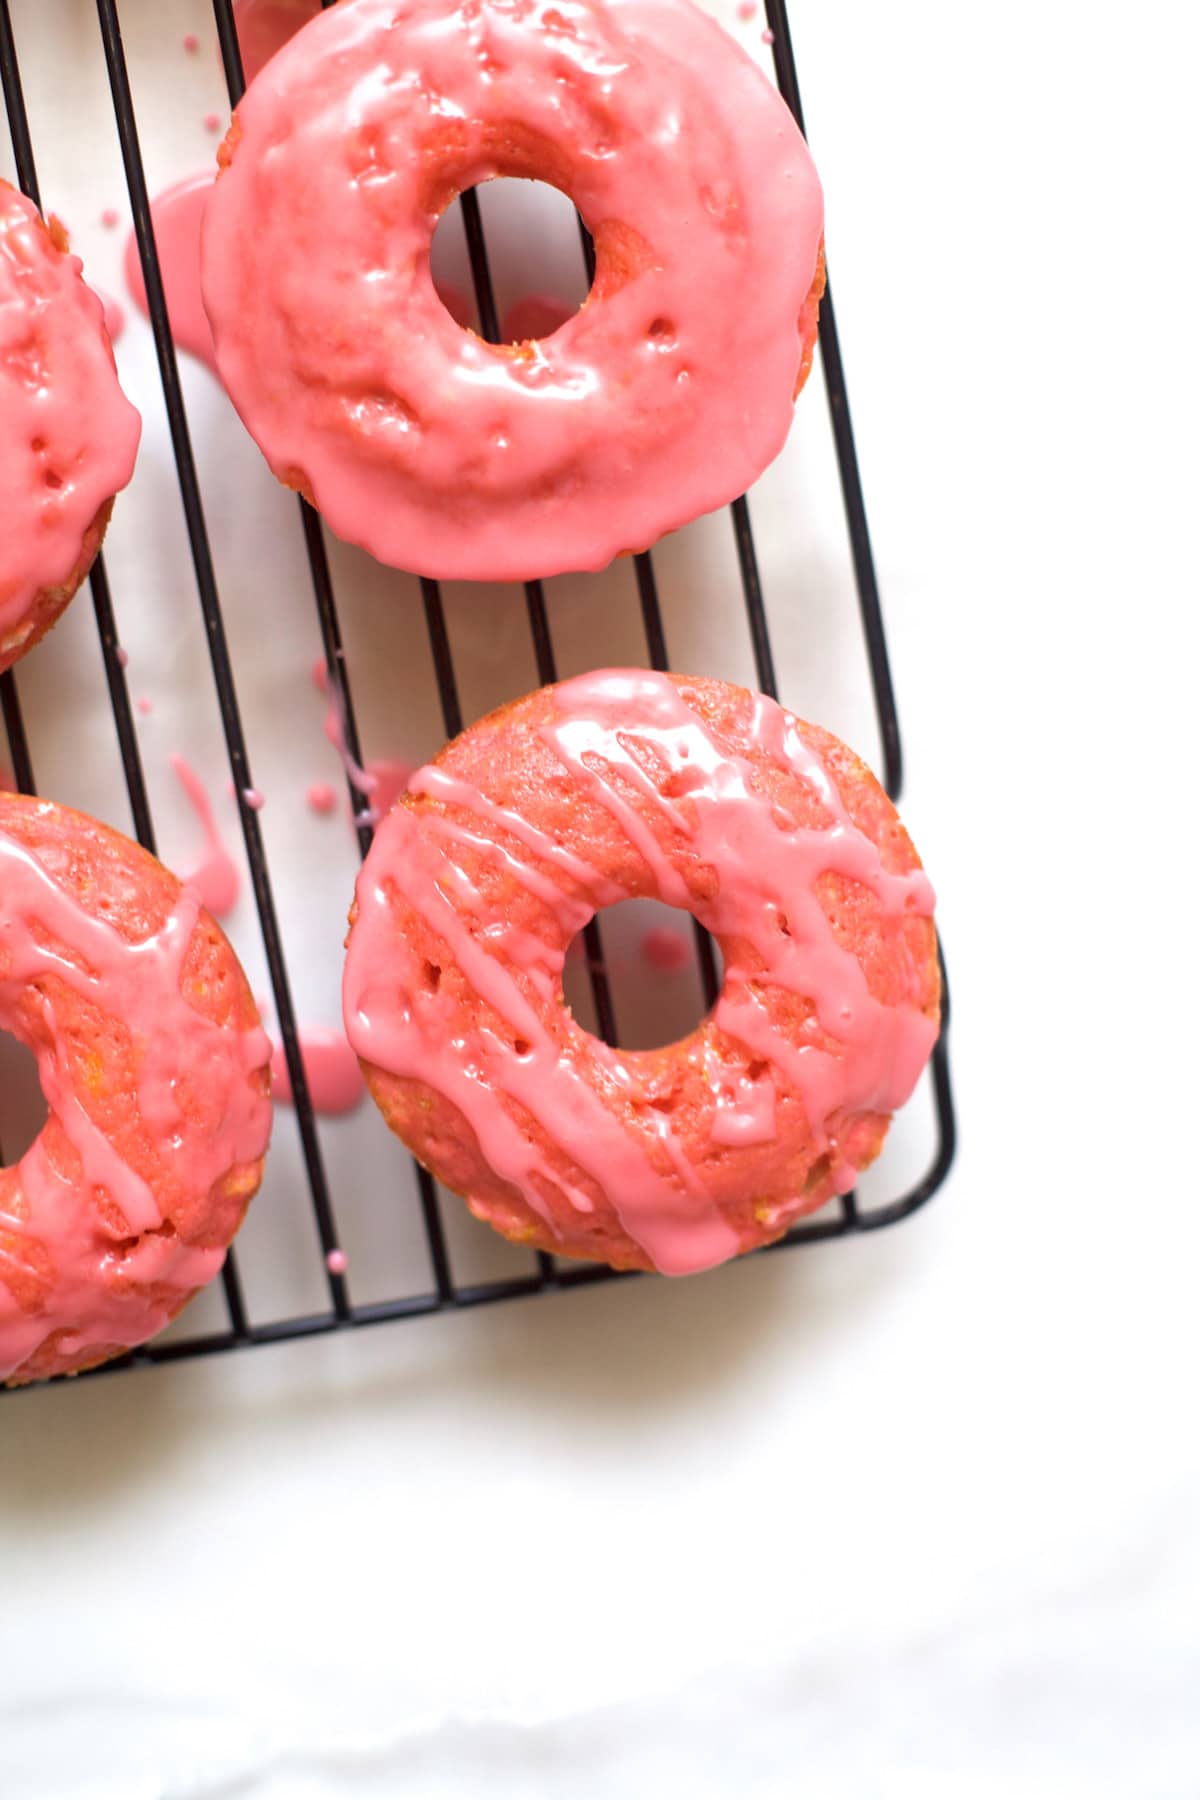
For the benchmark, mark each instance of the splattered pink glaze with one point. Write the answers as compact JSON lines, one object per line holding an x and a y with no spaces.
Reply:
{"x":666,"y":950}
{"x":603,"y":728}
{"x":214,"y":874}
{"x":667,"y":394}
{"x":106,"y":1291}
{"x":68,"y":435}
{"x":264,"y":26}
{"x":535,"y":316}
{"x":321,"y":797}
{"x":335,"y":1079}
{"x":337,"y":1262}
{"x":177,"y":213}
{"x":380,"y":782}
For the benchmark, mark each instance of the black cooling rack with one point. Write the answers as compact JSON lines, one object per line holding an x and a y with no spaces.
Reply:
{"x":848,"y":1216}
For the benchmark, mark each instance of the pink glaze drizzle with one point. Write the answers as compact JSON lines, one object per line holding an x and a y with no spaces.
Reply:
{"x":214,"y":875}
{"x":663,"y":397}
{"x":321,"y":797}
{"x":103,"y":1289}
{"x":535,"y":316}
{"x":68,"y":435}
{"x":177,"y":213}
{"x":766,"y":904}
{"x":335,"y":1080}
{"x":337,"y":1262}
{"x":380,"y":782}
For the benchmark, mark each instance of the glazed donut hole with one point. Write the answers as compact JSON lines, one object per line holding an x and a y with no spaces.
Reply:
{"x":535,"y":259}
{"x":23,"y":1109}
{"x":651,"y":950}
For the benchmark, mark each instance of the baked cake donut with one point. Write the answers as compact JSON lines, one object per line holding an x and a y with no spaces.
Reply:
{"x":611,"y":786}
{"x":666,"y":395}
{"x":68,"y":435}
{"x":154,"y":1069}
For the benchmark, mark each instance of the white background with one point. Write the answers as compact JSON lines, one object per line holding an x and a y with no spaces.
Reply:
{"x":911,"y":1515}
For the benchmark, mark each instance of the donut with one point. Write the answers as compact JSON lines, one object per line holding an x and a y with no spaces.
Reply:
{"x":665,"y":396}
{"x":154,"y":1069}
{"x":68,"y":435}
{"x":610,"y":786}
{"x":264,"y":26}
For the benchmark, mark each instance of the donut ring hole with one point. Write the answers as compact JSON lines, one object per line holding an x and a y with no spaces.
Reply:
{"x":535,"y":263}
{"x":514,"y":153}
{"x":654,"y":978}
{"x":23,"y":1107}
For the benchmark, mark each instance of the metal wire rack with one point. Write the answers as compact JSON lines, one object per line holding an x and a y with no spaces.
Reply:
{"x":446,"y":1291}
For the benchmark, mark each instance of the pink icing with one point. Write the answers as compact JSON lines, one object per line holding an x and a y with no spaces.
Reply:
{"x":665,"y":396}
{"x":68,"y":435}
{"x":214,"y":875}
{"x":765,"y":914}
{"x":191,"y":42}
{"x":114,"y":314}
{"x":380,"y":782}
{"x":177,"y":213}
{"x":321,"y":797}
{"x":102,"y":1288}
{"x":254,"y":799}
{"x":212,"y":122}
{"x":335,"y":1080}
{"x":666,"y":950}
{"x":110,"y":218}
{"x":337,"y":1262}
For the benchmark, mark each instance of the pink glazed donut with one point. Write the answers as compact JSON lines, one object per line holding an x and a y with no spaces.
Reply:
{"x":665,"y":396}
{"x":611,"y":786}
{"x":68,"y":435}
{"x":155,"y":1072}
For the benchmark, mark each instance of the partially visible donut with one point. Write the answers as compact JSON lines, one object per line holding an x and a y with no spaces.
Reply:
{"x":155,"y":1072}
{"x":68,"y":435}
{"x":664,"y":397}
{"x":614,"y":785}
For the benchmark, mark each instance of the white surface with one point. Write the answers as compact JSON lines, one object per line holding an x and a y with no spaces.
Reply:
{"x":911,"y":1515}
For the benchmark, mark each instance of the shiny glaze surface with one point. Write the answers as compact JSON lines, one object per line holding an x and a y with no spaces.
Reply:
{"x":662,"y":398}
{"x":68,"y":435}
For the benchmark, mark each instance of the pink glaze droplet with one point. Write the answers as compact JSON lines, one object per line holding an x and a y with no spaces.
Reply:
{"x":254,"y":799}
{"x":122,"y":656}
{"x":214,"y":877}
{"x":110,"y":218}
{"x":191,"y":42}
{"x":768,"y":36}
{"x":746,"y":10}
{"x":336,"y":1262}
{"x":321,"y":797}
{"x":335,"y":1080}
{"x":144,"y":706}
{"x":536,"y":316}
{"x":666,"y":950}
{"x":212,"y":122}
{"x":177,"y":213}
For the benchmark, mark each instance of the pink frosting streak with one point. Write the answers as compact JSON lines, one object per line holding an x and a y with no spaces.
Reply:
{"x":94,"y":1251}
{"x":860,"y":1056}
{"x":177,"y":213}
{"x":663,"y":397}
{"x":213,"y":874}
{"x":68,"y":435}
{"x":335,"y":1079}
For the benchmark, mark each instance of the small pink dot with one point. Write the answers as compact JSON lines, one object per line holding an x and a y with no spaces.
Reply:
{"x":321,"y":797}
{"x":254,"y":799}
{"x":122,"y":656}
{"x":336,"y":1262}
{"x":746,"y":10}
{"x":144,"y":706}
{"x":665,"y":950}
{"x":768,"y":36}
{"x":212,"y":121}
{"x":110,"y":218}
{"x":191,"y":43}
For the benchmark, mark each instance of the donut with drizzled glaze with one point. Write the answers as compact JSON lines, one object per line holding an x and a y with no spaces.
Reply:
{"x":155,"y":1072}
{"x":665,"y":396}
{"x":611,"y":786}
{"x":68,"y":435}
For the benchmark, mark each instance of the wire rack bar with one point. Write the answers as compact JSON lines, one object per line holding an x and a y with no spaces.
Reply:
{"x":445,"y":1291}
